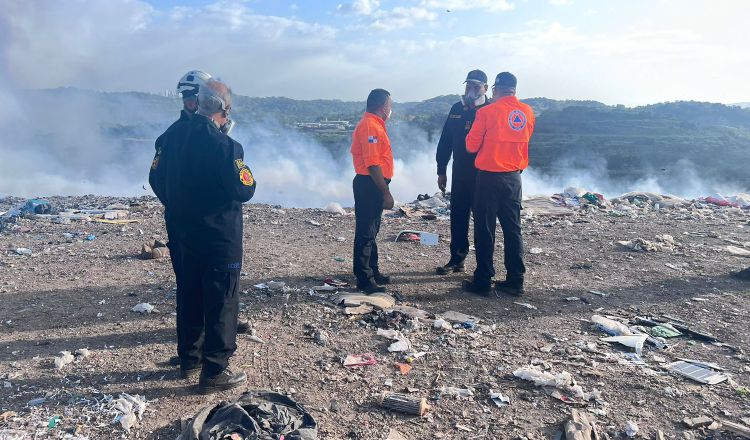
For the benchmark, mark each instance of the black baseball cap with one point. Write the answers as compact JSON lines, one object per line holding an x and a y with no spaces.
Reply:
{"x":476,"y":76}
{"x":505,"y":79}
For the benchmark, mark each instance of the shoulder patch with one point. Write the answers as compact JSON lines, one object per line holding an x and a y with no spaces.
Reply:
{"x":246,"y":177}
{"x":155,"y":162}
{"x":239,"y":164}
{"x":454,"y":116}
{"x":372,"y":139}
{"x":517,"y":120}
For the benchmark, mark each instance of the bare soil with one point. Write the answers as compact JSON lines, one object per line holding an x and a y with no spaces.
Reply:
{"x":72,"y":293}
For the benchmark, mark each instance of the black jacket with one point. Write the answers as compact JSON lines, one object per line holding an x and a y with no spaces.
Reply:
{"x":199,"y":174}
{"x":453,"y":141}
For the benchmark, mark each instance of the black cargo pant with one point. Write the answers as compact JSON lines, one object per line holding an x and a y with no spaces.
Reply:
{"x":368,"y":209}
{"x":462,"y":201}
{"x":498,"y":197}
{"x":207,"y":308}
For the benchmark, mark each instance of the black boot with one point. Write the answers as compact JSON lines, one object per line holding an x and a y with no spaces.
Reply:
{"x":511,"y":286}
{"x":226,"y":380}
{"x":244,"y":326}
{"x":451,"y":267}
{"x":190,"y":372}
{"x":481,"y":289}
{"x":381,"y":279}
{"x":370,"y":287}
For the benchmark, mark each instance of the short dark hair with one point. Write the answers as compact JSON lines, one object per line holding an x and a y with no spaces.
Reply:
{"x":377,"y":99}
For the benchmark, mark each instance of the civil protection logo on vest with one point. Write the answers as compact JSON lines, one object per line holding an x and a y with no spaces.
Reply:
{"x":517,"y":120}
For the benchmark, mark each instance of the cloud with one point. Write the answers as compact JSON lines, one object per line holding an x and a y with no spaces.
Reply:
{"x":560,"y":2}
{"x":359,"y":7}
{"x":466,"y":5}
{"x":130,"y":45}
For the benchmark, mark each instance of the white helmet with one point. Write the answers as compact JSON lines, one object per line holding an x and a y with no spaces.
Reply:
{"x":191,"y":82}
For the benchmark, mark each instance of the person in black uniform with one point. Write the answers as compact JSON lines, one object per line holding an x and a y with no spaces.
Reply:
{"x":453,"y":141}
{"x":188,"y":87}
{"x":201,"y":178}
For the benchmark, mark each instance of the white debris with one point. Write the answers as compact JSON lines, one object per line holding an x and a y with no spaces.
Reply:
{"x":400,"y":346}
{"x":611,"y":326}
{"x":536,"y":250}
{"x":631,"y":429}
{"x":143,"y":308}
{"x":525,"y":305}
{"x":64,"y":359}
{"x":82,"y":353}
{"x":335,"y":208}
{"x":130,"y":409}
{"x":563,"y":381}
{"x":740,"y":252}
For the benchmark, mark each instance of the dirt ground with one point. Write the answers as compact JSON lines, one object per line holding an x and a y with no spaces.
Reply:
{"x":72,"y":293}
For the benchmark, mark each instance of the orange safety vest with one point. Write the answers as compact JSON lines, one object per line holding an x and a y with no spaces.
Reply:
{"x":500,"y":135}
{"x":371,"y":146}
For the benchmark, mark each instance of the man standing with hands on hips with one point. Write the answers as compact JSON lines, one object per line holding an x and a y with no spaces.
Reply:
{"x":500,"y":138}
{"x":373,"y":163}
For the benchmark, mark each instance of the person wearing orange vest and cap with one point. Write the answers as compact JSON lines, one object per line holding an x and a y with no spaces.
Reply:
{"x":373,"y":163}
{"x":500,"y":138}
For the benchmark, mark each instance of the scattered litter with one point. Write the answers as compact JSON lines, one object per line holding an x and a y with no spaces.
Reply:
{"x":254,"y":415}
{"x":276,"y":285}
{"x":525,"y":305}
{"x":535,"y":250}
{"x":697,"y":373}
{"x":403,"y":368}
{"x":24,"y":251}
{"x":130,"y":409}
{"x":378,"y":300}
{"x":572,"y":298}
{"x":734,"y":250}
{"x":404,"y":403}
{"x":664,"y":331}
{"x":154,"y":251}
{"x":52,"y":423}
{"x":325,"y":288}
{"x":697,"y":422}
{"x":36,"y":402}
{"x":597,"y":293}
{"x":400,"y":345}
{"x":314,"y":223}
{"x":458,"y":393}
{"x":561,"y":386}
{"x":581,"y":426}
{"x":632,"y":341}
{"x":441,"y":324}
{"x":424,"y":238}
{"x":499,"y":399}
{"x":631,"y":428}
{"x":143,"y":308}
{"x":360,"y":360}
{"x":610,"y":326}
{"x":64,"y":359}
{"x":458,"y":317}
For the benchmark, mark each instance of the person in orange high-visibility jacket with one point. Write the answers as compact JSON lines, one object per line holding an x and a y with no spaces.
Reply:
{"x":500,"y":138}
{"x":373,"y":163}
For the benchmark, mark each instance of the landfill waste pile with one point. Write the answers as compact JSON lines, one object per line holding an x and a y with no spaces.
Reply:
{"x":634,"y":325}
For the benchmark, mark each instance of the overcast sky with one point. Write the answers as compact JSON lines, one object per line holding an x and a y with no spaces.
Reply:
{"x":630,"y":51}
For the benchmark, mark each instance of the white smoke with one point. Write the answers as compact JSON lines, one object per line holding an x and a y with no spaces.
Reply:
{"x":77,"y":142}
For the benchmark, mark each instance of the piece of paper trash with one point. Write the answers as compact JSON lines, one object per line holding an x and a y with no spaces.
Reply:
{"x":360,"y":360}
{"x":143,"y":308}
{"x":632,"y":341}
{"x":697,"y":373}
{"x":525,"y":305}
{"x":499,"y":399}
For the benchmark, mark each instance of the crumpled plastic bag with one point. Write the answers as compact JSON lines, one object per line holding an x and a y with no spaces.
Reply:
{"x":256,"y":415}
